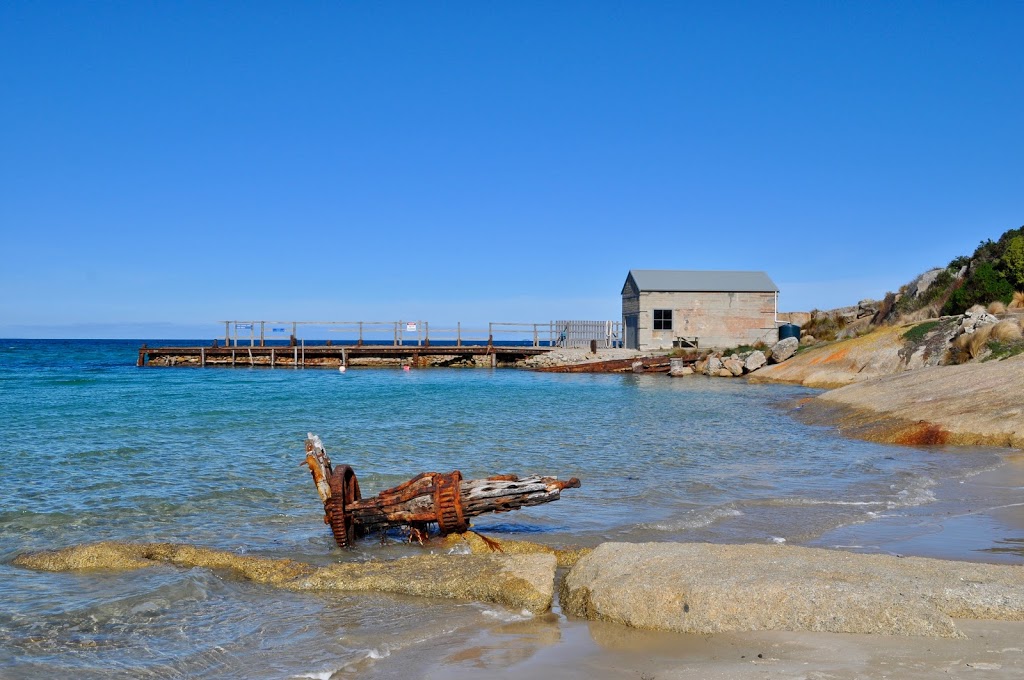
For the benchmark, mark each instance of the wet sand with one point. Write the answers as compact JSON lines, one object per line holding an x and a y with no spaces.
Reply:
{"x":554,"y":646}
{"x":600,"y":651}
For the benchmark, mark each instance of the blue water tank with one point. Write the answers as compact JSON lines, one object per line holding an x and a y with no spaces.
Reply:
{"x":789,"y":330}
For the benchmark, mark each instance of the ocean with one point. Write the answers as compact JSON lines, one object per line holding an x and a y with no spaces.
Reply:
{"x":95,"y":448}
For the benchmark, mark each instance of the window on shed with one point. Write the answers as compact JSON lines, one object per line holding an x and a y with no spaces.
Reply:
{"x":662,"y":319}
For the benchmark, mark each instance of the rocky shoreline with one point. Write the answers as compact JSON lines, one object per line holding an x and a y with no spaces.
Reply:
{"x":890,"y":385}
{"x":684,"y":588}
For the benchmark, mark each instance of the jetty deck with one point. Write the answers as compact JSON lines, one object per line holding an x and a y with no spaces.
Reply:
{"x":413,"y":343}
{"x":335,"y":355}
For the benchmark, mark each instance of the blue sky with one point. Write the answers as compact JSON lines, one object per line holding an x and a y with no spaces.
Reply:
{"x":166,"y":165}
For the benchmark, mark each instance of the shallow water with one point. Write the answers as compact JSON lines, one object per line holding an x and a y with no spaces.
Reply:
{"x":94,"y":448}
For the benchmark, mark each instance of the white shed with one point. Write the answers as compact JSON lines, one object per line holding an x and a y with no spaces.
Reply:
{"x":663,"y":308}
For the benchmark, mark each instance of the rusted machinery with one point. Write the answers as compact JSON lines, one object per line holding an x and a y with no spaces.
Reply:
{"x":429,"y":498}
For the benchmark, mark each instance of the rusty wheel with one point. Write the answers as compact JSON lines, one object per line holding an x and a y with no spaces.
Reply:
{"x":448,"y":503}
{"x":344,"y":491}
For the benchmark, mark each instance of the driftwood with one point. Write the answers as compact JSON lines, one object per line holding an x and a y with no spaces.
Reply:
{"x":429,"y":498}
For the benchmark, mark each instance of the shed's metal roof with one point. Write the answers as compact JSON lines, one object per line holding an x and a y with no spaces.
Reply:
{"x":673,"y":280}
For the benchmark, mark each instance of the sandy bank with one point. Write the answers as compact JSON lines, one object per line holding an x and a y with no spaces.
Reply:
{"x":597,"y":650}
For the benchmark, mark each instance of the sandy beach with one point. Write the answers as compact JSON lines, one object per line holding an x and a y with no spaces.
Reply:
{"x":557,"y":647}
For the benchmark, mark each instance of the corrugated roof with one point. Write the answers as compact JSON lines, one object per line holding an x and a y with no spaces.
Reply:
{"x":674,"y":280}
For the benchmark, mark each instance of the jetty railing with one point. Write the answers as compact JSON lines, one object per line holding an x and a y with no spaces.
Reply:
{"x":565,"y":333}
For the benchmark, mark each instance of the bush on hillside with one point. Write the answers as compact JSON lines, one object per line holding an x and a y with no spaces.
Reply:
{"x":936,"y":294}
{"x":823,"y":326}
{"x":984,"y":284}
{"x":1013,"y":261}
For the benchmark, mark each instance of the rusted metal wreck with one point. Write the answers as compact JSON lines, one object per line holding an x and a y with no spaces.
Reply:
{"x":429,"y":498}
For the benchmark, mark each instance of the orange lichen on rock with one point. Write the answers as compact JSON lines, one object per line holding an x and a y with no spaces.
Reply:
{"x":922,"y":434}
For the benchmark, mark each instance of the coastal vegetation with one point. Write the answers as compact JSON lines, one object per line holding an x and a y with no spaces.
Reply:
{"x":994,"y":273}
{"x":824,"y":326}
{"x":987,"y":286}
{"x":918,"y":332}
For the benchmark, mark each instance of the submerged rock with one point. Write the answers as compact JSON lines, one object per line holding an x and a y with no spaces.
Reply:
{"x":521,"y":581}
{"x":478,"y":545}
{"x":704,"y":588}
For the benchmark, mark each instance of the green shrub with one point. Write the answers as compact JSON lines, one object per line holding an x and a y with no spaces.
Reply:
{"x":918,"y":332}
{"x":1013,"y":261}
{"x":983,"y":285}
{"x":1002,"y":349}
{"x":936,"y":293}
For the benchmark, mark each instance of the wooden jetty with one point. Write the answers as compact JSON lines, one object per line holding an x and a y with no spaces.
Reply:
{"x":331,"y":356}
{"x":414,"y":343}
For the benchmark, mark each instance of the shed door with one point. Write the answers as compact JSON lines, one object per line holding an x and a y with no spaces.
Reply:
{"x":632,"y":331}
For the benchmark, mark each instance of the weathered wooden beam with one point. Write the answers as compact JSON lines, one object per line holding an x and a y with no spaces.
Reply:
{"x":428,"y":498}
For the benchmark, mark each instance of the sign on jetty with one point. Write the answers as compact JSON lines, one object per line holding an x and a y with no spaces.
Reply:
{"x":412,"y":343}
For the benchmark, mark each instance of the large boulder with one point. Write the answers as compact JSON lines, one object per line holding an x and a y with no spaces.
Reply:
{"x":784,"y":349}
{"x":973,"y":319}
{"x":923,"y":282}
{"x":755,"y":361}
{"x":867,"y":308}
{"x":734,"y":366}
{"x":713,"y":366}
{"x":704,"y":588}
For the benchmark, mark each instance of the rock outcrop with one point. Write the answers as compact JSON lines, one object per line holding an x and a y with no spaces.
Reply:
{"x":520,"y":581}
{"x":841,"y":363}
{"x":705,"y":588}
{"x":971,"y":404}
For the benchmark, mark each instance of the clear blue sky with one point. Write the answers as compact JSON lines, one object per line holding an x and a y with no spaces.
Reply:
{"x":166,"y":165}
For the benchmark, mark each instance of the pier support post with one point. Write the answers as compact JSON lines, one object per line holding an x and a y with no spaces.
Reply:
{"x":202,"y":357}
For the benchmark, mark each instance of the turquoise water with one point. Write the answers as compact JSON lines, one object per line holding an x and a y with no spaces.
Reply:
{"x":95,"y":448}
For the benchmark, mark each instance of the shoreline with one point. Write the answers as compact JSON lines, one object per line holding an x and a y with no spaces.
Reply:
{"x":920,"y":407}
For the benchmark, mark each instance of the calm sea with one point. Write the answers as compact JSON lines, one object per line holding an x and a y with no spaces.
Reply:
{"x":95,"y":448}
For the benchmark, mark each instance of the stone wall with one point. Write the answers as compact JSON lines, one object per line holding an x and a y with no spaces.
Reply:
{"x":716,"y":319}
